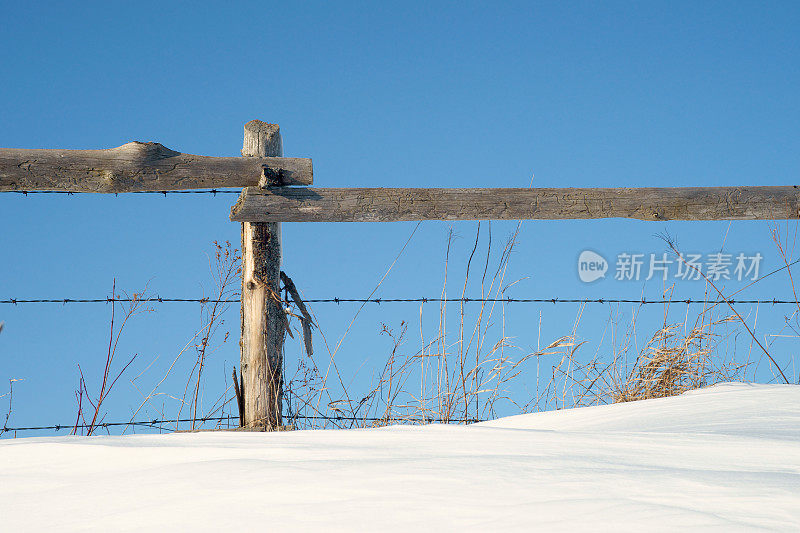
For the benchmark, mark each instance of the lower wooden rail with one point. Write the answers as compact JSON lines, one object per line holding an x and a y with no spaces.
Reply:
{"x":301,"y":204}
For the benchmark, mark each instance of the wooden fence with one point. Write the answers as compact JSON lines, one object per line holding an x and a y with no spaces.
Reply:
{"x":275,"y":190}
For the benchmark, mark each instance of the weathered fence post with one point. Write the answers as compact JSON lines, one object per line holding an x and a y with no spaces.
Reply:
{"x":262,"y":313}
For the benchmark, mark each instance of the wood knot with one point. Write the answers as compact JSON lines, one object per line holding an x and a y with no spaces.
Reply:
{"x":148,"y":150}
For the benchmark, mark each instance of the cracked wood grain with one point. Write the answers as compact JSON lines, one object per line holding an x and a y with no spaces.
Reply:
{"x":139,"y":166}
{"x":394,"y":204}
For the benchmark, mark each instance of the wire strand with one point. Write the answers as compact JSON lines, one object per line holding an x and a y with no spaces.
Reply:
{"x":642,"y":301}
{"x":164,"y":193}
{"x":156,"y":423}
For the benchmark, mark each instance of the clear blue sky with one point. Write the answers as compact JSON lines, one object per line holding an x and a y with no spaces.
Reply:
{"x":404,"y":94}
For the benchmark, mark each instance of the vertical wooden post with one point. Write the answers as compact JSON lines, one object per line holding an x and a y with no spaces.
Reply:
{"x":262,"y":313}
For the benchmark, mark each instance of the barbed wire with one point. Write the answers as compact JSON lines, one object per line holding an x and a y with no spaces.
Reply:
{"x":159,"y":422}
{"x":642,"y":301}
{"x":426,"y":420}
{"x":158,"y":299}
{"x":164,"y":193}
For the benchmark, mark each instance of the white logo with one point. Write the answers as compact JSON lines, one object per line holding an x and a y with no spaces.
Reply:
{"x":591,"y":266}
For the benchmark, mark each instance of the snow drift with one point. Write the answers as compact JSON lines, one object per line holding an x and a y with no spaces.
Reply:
{"x":725,"y":457}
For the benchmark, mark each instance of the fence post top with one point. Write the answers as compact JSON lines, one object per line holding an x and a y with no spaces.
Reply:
{"x":261,"y":138}
{"x":257,"y":125}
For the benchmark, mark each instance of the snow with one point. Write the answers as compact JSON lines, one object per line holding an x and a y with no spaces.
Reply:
{"x":725,"y":458}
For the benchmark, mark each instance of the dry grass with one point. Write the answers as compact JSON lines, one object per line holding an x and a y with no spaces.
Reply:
{"x":470,"y":369}
{"x":456,"y":377}
{"x":10,"y":395}
{"x":674,"y":362}
{"x":468,"y":374}
{"x":677,"y":357}
{"x":464,"y":366}
{"x":89,"y":417}
{"x":224,"y":265}
{"x":226,"y":271}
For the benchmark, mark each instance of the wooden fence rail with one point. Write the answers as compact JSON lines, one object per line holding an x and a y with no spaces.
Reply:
{"x":139,"y":166}
{"x":388,"y":205}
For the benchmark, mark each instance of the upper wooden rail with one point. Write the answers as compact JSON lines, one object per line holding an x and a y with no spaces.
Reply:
{"x":385,"y":205}
{"x":138,"y":166}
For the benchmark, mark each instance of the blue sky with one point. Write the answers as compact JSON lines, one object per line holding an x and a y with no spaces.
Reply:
{"x":582,"y":94}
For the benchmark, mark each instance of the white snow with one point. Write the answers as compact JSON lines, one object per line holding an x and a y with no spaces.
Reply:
{"x":724,"y":458}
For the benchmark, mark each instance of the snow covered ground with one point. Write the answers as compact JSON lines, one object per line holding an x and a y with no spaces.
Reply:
{"x":724,"y":458}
